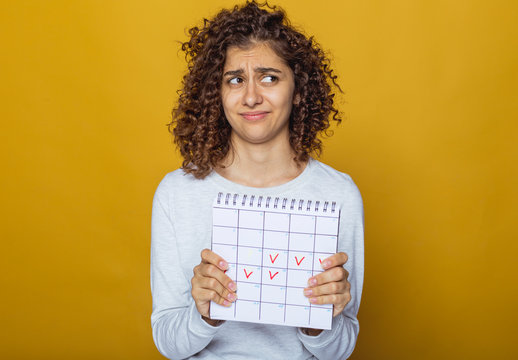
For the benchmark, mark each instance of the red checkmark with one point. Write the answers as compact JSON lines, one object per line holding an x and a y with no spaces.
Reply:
{"x":273,"y":259}
{"x":247,"y":275}
{"x":320,"y":261}
{"x":297,"y":260}
{"x":272,"y":276}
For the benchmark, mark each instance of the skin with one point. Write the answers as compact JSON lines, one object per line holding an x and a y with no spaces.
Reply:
{"x":256,"y":80}
{"x":258,"y":91}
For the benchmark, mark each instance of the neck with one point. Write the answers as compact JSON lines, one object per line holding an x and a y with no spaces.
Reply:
{"x":260,"y":165}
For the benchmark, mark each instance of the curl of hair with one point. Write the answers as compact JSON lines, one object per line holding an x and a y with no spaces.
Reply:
{"x":199,"y":126}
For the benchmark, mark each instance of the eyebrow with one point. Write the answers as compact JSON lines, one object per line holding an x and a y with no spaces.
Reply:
{"x":261,"y":70}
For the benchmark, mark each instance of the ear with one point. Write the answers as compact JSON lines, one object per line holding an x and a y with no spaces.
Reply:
{"x":296,"y":99}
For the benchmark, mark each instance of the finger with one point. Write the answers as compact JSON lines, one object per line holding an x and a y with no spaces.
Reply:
{"x":337,"y":309}
{"x":336,"y":287}
{"x":335,"y":299}
{"x":338,"y":259}
{"x":206,"y":295}
{"x":330,"y":275}
{"x":210,"y":283}
{"x":210,"y":257}
{"x":211,"y":271}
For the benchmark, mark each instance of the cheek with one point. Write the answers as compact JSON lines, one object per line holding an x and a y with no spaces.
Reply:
{"x":286,"y":103}
{"x":285,"y":99}
{"x":227,"y":101}
{"x":224,"y":103}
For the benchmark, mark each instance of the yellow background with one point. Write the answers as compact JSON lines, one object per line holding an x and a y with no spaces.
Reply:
{"x":430,"y":137}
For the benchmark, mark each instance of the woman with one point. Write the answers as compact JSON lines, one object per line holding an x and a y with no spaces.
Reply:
{"x":253,"y":102}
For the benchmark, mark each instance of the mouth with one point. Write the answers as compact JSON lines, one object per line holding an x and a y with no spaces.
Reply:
{"x":254,"y":115}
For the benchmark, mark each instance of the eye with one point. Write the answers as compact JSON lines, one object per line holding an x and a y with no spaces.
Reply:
{"x":235,"y":81}
{"x":269,"y":78}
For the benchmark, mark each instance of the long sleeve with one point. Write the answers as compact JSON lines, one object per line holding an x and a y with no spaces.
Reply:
{"x":182,"y":227}
{"x":178,"y":329}
{"x":339,"y":342}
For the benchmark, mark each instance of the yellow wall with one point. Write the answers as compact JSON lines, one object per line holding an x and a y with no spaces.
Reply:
{"x":430,"y":137}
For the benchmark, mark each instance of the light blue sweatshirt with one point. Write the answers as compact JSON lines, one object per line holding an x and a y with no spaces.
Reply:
{"x":181,"y":228}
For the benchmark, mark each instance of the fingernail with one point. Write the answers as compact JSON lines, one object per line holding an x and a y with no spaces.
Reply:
{"x":312,"y":282}
{"x":226,"y":303}
{"x":231,"y":297}
{"x":223,"y":264}
{"x":232,"y":286}
{"x":313,"y":300}
{"x":308,"y":292}
{"x":326,"y":264}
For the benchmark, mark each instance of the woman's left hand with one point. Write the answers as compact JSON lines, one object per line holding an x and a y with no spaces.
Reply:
{"x":330,"y":286}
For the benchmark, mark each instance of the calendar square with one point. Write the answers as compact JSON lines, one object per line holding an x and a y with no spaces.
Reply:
{"x":302,"y":242}
{"x":251,"y":219}
{"x":250,"y":237}
{"x":272,"y":313}
{"x":327,"y":225}
{"x":277,"y":221}
{"x":300,"y":260}
{"x":274,"y":276}
{"x":299,"y":278}
{"x":248,"y":273}
{"x":273,"y":294}
{"x":247,"y":310}
{"x":224,"y":217}
{"x":250,"y":255}
{"x":295,"y":296}
{"x":275,"y":258}
{"x":276,"y":239}
{"x":248,"y":291}
{"x":303,"y":223}
{"x":325,"y":243}
{"x":297,"y":315}
{"x":225,"y":235}
{"x":321,"y":318}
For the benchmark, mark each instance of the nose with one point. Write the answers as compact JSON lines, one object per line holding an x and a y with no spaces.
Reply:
{"x":252,"y":94}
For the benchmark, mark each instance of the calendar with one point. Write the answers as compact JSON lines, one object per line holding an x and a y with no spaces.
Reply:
{"x":273,"y":245}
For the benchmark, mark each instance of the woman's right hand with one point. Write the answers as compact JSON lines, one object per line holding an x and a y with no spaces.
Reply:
{"x":210,"y":283}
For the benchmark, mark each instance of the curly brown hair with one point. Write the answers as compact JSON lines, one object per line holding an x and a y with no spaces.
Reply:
{"x":199,"y":126}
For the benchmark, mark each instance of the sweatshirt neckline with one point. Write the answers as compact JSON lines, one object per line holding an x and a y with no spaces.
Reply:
{"x":230,"y":186}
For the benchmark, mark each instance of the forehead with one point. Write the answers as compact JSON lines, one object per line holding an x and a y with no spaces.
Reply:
{"x":258,"y":54}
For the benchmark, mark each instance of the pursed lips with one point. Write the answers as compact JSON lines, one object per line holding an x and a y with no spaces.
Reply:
{"x":254,"y":115}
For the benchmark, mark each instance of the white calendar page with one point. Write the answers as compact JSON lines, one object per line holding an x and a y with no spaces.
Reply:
{"x":273,"y":246}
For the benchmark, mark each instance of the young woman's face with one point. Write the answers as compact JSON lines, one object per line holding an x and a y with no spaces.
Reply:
{"x":257,"y":94}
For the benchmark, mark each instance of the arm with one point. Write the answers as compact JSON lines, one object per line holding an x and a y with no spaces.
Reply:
{"x":339,"y":342}
{"x":178,"y":328}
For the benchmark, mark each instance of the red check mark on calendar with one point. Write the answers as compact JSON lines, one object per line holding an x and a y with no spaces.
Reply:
{"x":273,"y":259}
{"x":247,"y":275}
{"x":272,"y":276}
{"x":299,"y":261}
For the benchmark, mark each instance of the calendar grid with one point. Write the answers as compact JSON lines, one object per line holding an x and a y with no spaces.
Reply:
{"x":276,"y":250}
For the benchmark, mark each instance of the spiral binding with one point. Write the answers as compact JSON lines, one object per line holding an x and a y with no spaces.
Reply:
{"x":266,"y":202}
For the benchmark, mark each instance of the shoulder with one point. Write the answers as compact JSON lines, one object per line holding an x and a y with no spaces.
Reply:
{"x":180,"y":189}
{"x":327,"y":175}
{"x":175,"y":182}
{"x":176,"y":178}
{"x":336,"y":184}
